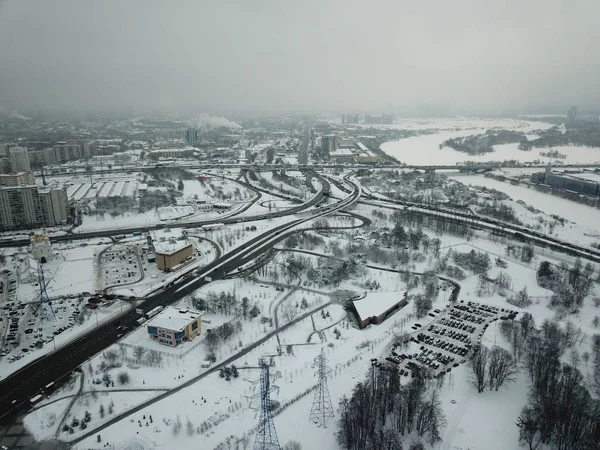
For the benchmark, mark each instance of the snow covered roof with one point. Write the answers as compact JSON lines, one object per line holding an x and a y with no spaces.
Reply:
{"x":341,"y":152}
{"x":174,"y":319}
{"x":362,"y":146}
{"x":169,"y":240}
{"x":377,"y":303}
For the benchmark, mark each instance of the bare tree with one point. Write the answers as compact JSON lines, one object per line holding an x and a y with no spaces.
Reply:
{"x":189,"y":427}
{"x":292,"y":445}
{"x":478,"y":363}
{"x":138,"y":352}
{"x":501,"y":368}
{"x":123,"y":378}
{"x":289,"y":311}
{"x":529,"y":432}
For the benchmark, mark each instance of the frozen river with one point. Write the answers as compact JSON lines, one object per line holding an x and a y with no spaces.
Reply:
{"x":583,"y":215}
{"x":426,"y":150}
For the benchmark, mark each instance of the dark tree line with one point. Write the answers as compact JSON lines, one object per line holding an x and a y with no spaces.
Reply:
{"x":441,"y":224}
{"x":561,"y":412}
{"x":499,"y":211}
{"x":381,"y":411}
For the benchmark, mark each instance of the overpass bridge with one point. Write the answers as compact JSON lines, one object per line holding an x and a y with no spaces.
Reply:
{"x":483,"y":167}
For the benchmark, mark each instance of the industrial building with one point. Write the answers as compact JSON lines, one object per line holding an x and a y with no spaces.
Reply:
{"x":29,"y":207}
{"x":566,"y":182}
{"x":173,"y":152}
{"x":173,"y":326}
{"x":341,"y":156}
{"x":378,"y":306}
{"x":171,"y":248}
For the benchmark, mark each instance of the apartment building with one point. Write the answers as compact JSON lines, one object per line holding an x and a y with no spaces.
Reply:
{"x":26,"y":178}
{"x":18,"y":159}
{"x":23,"y":207}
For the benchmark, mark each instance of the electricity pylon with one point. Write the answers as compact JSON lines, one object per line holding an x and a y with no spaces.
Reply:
{"x":266,"y":436}
{"x":322,"y":409}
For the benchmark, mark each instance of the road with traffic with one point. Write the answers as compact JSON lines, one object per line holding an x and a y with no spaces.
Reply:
{"x":57,"y":367}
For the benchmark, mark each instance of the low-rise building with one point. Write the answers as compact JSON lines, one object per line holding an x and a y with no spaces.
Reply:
{"x":173,"y":326}
{"x":378,"y":306}
{"x":171,"y":248}
{"x":173,"y":152}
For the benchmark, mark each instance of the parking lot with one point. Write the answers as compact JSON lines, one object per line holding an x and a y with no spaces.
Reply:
{"x":33,"y":325}
{"x":121,"y":265}
{"x":447,"y":340}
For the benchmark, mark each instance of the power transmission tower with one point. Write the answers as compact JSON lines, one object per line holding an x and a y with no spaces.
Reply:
{"x":266,"y":436}
{"x":43,"y":294}
{"x":322,"y":409}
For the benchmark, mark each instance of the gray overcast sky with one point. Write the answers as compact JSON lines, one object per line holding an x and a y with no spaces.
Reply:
{"x":305,"y":55}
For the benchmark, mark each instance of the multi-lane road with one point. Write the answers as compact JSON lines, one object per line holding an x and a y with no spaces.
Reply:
{"x":17,"y":389}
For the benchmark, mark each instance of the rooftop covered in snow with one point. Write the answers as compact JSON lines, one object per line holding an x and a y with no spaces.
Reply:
{"x":169,"y":240}
{"x":377,"y":303}
{"x":174,"y":319}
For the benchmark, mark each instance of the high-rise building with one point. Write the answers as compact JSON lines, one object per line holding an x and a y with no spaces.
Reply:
{"x":328,"y":145}
{"x":54,"y":206}
{"x":4,"y":165}
{"x":26,"y":178}
{"x":571,"y":113}
{"x":18,"y":159}
{"x":2,"y":150}
{"x":350,"y":118}
{"x":191,"y":136}
{"x":28,"y":207}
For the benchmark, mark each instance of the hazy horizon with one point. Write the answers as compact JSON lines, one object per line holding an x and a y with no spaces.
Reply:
{"x":331,"y":56}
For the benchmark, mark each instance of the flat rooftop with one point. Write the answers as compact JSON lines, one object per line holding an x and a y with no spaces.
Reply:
{"x":174,"y":319}
{"x":377,"y":303}
{"x":169,"y":240}
{"x":341,"y":152}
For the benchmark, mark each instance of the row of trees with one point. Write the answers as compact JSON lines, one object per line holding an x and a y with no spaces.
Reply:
{"x":381,"y":410}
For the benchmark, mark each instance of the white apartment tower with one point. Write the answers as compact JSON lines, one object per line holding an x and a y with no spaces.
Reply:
{"x":19,"y":159}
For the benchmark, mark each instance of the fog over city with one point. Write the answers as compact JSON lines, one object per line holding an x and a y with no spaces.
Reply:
{"x":313,"y":55}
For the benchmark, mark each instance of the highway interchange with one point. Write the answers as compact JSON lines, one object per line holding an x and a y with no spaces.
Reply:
{"x":57,"y":367}
{"x":16,"y":390}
